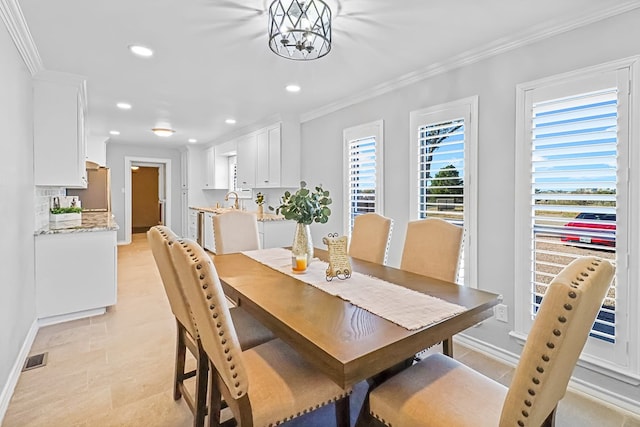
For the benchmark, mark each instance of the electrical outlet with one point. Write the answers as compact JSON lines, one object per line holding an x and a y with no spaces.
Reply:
{"x":501,"y":311}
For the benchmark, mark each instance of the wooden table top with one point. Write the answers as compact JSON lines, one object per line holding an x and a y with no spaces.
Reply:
{"x":348,"y":343}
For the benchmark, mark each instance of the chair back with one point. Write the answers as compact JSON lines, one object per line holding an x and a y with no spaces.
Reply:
{"x":235,"y":231}
{"x":160,"y":240}
{"x":370,"y":238}
{"x":557,"y":337}
{"x":432,"y":248}
{"x":212,"y":318}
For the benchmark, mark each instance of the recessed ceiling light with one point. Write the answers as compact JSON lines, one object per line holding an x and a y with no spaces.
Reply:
{"x":142,"y":51}
{"x":192,"y":140}
{"x":230,"y":121}
{"x":123,"y":105}
{"x":293,"y":88}
{"x":114,"y":132}
{"x":163,"y":132}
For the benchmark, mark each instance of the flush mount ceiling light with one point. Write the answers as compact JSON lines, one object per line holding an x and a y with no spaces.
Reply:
{"x":230,"y":121}
{"x":114,"y":132}
{"x":293,"y":88}
{"x":142,"y":51}
{"x":300,"y":29}
{"x":192,"y":140}
{"x":123,"y":105}
{"x":163,"y":132}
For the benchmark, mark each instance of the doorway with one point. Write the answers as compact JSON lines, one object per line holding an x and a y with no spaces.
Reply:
{"x":154,"y":190}
{"x":146,"y":207}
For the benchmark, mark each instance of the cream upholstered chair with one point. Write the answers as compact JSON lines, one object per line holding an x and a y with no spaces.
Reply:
{"x":440,"y":391}
{"x":263,"y":386}
{"x":235,"y":231}
{"x":370,"y":238}
{"x":432,"y":248}
{"x":252,"y":332}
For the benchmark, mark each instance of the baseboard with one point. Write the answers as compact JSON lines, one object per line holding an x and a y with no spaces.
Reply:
{"x":14,"y":374}
{"x":588,"y":390}
{"x":52,"y":320}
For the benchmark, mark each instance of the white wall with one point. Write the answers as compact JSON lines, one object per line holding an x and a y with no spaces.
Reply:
{"x":116,"y":154}
{"x":17,"y":288}
{"x":494,"y":80}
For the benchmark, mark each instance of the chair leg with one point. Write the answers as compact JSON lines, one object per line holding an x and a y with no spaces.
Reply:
{"x":202,"y":371}
{"x":447,"y":347}
{"x":215,"y":397}
{"x":343,"y":414}
{"x":181,"y":349}
{"x":551,"y":419}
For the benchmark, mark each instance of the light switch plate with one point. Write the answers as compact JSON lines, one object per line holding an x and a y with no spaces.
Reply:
{"x":501,"y":312}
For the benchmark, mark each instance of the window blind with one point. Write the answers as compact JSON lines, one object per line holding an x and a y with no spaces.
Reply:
{"x":362,"y":177}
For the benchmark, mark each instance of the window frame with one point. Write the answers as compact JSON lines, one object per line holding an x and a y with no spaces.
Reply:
{"x":373,"y":129}
{"x":628,"y":202}
{"x":466,"y":108}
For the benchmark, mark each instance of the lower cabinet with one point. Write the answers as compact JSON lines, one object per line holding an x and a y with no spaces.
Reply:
{"x":75,"y":272}
{"x":209,"y":242}
{"x":275,"y":234}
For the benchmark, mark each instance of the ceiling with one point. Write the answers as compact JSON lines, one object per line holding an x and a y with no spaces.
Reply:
{"x":212,"y":59}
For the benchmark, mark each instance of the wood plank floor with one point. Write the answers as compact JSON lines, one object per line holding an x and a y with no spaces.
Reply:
{"x":116,"y":369}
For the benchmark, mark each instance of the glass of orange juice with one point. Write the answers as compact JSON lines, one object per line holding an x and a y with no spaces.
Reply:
{"x":299,"y":263}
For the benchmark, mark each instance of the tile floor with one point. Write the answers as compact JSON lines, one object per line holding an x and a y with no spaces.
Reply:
{"x":116,"y":369}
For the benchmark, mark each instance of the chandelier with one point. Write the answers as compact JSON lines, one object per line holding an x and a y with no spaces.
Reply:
{"x":300,"y":29}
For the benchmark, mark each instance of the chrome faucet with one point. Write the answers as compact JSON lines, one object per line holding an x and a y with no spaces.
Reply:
{"x":226,"y":199}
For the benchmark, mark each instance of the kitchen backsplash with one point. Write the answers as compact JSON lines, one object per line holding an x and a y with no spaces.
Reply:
{"x":42,"y":201}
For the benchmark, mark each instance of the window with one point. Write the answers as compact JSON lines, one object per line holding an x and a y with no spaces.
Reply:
{"x":233,"y":173}
{"x":573,"y":197}
{"x":363,"y":171}
{"x":444,"y":140}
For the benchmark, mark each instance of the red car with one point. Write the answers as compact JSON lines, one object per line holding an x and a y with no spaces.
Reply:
{"x":600,"y":229}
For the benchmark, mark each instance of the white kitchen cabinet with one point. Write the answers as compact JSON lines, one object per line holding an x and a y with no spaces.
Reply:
{"x":194,"y":228}
{"x":75,"y":272}
{"x":276,"y":234}
{"x":59,"y":135}
{"x":246,"y":161}
{"x":208,"y":236}
{"x":209,"y":168}
{"x":268,"y":158}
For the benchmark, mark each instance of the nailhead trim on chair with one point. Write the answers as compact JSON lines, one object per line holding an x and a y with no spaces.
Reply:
{"x":557,"y":332}
{"x":312,"y":408}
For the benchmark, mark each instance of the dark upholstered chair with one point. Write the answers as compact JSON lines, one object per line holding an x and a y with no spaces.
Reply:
{"x":263,"y":386}
{"x":440,"y":391}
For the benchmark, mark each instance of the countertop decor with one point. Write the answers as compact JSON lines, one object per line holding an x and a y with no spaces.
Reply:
{"x":261,"y":217}
{"x":91,"y":221}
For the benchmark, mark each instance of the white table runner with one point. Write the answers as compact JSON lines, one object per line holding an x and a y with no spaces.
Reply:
{"x":405,"y":307}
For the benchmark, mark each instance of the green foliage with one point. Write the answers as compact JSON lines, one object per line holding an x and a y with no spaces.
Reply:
{"x":259,"y":199}
{"x":305,"y":206}
{"x":72,"y":209}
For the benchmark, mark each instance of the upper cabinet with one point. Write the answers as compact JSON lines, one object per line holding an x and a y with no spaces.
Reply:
{"x":59,"y":135}
{"x":268,"y":160}
{"x":246,"y":161}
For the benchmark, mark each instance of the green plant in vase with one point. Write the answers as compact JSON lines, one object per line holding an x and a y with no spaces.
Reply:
{"x":305,"y":206}
{"x":260,"y":202}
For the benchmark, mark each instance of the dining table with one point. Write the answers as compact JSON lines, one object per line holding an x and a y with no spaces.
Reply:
{"x":346,"y":342}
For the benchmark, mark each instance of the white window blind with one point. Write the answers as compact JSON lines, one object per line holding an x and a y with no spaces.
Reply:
{"x":443,"y":171}
{"x":362,"y":177}
{"x":573,"y":190}
{"x":575,"y":180}
{"x":363,"y":171}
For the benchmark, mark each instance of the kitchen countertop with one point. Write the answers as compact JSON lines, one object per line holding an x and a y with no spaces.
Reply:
{"x":91,"y":221}
{"x":266,"y":216}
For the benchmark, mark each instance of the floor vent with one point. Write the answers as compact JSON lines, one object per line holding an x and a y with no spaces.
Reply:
{"x":35,"y":361}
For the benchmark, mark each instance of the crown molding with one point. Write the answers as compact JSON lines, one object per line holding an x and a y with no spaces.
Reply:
{"x":532,"y":35}
{"x":19,"y":30}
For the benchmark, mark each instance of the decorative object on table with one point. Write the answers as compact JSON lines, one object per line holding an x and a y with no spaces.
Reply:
{"x":339,"y":264}
{"x":260,"y":202}
{"x":65,"y":208}
{"x":304,"y":207}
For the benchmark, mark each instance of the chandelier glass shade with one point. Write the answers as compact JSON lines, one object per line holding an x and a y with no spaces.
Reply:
{"x":300,"y":29}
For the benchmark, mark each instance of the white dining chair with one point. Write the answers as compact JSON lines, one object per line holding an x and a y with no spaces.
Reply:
{"x":235,"y":231}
